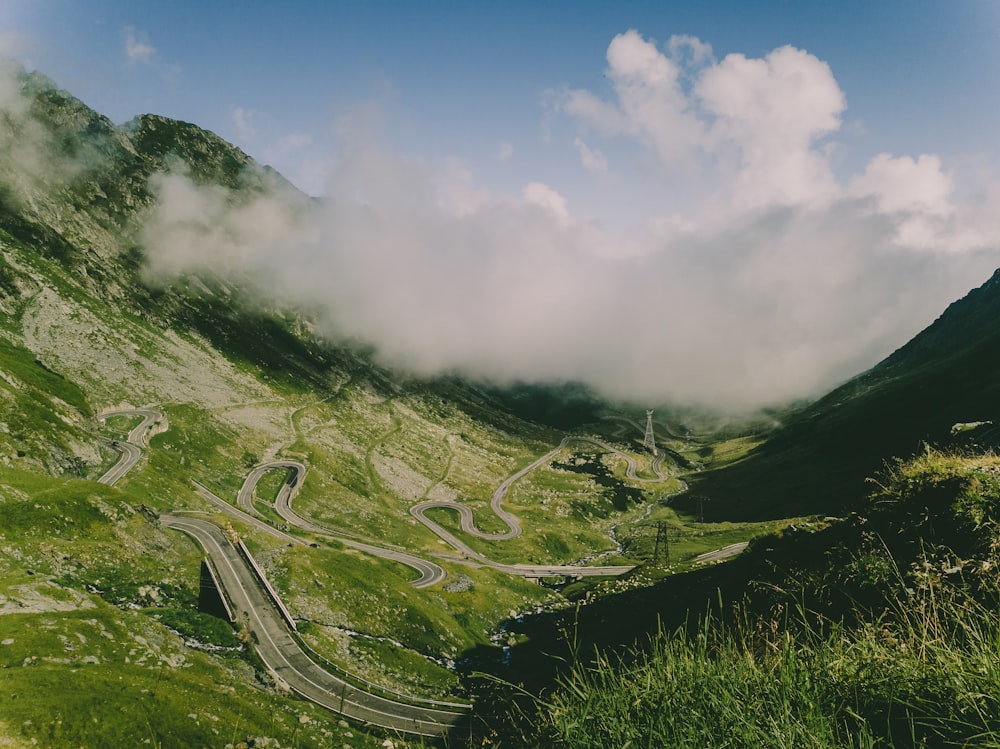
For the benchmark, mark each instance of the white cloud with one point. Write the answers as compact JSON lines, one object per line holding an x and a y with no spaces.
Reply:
{"x":440,"y":275}
{"x":775,"y":280}
{"x":690,"y":51}
{"x":537,"y":193}
{"x":904,"y":184}
{"x":592,"y":158}
{"x":137,"y":46}
{"x":243,"y":122}
{"x":650,"y":105}
{"x":918,"y":192}
{"x":788,"y":93}
{"x":505,"y":151}
{"x":10,"y":89}
{"x":753,"y":127}
{"x":455,"y":190}
{"x":32,"y":159}
{"x":769,"y":113}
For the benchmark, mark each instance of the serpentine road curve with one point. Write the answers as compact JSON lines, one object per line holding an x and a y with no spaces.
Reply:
{"x":430,"y":572}
{"x":131,"y":448}
{"x":278,"y":649}
{"x":280,"y":652}
{"x":245,"y":496}
{"x":467,"y":523}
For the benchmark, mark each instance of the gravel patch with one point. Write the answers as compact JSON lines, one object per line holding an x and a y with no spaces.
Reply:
{"x":131,"y":363}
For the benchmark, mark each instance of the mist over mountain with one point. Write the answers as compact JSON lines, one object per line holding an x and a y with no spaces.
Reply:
{"x":513,"y":291}
{"x":920,"y":396}
{"x":775,"y":301}
{"x":771,"y":279}
{"x":152,"y":262}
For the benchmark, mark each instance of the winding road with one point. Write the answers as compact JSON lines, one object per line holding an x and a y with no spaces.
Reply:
{"x":285,"y":658}
{"x":131,"y":448}
{"x":257,"y":606}
{"x":430,"y":572}
{"x":724,"y":553}
{"x":467,"y":523}
{"x":244,"y":498}
{"x":274,"y":643}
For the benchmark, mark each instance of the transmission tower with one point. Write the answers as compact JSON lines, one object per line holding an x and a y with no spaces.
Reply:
{"x":662,"y":545}
{"x":649,"y":442}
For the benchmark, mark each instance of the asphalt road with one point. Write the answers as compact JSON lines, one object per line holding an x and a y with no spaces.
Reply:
{"x":467,"y":523}
{"x":724,"y":553}
{"x":130,"y":456}
{"x":281,"y":653}
{"x":286,"y":659}
{"x":131,"y":449}
{"x":245,"y":496}
{"x":430,"y":572}
{"x":140,"y":432}
{"x":245,"y":517}
{"x":631,"y":464}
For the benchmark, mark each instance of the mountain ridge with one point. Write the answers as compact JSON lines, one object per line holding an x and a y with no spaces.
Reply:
{"x":243,"y":384}
{"x":818,"y":462}
{"x":85,"y":334}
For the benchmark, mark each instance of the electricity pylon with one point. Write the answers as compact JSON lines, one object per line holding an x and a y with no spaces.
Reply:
{"x":649,"y":442}
{"x":661,"y":547}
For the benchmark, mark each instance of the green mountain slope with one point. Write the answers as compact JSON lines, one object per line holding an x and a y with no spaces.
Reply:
{"x":87,"y":570}
{"x":878,"y":629}
{"x":90,"y":577}
{"x":817,"y":463}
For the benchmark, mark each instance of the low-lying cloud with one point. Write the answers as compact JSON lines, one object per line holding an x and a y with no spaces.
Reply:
{"x":33,"y":159}
{"x":777,"y":281}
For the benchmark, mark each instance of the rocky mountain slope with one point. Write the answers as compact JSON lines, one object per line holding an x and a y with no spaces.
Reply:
{"x":95,"y":593}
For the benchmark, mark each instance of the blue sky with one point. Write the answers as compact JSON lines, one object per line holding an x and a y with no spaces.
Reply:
{"x":724,"y":202}
{"x":461,"y":79}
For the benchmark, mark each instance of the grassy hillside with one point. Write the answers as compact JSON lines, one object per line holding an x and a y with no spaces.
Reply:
{"x":95,"y":595}
{"x":98,"y":597}
{"x":100,"y":640}
{"x":878,"y":630}
{"x":817,"y":463}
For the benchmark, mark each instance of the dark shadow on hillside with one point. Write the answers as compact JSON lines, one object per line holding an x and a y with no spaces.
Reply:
{"x":817,"y":464}
{"x":566,"y":407}
{"x":613,"y":625}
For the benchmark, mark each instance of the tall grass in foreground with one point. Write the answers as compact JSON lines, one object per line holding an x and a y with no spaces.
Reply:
{"x":894,"y":640}
{"x":925,"y":674}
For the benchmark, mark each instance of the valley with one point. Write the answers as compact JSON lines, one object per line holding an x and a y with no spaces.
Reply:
{"x":244,"y":513}
{"x":281,"y":654}
{"x":443,"y":560}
